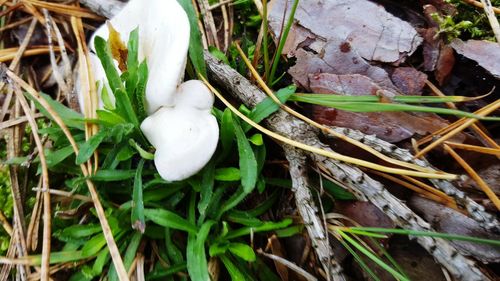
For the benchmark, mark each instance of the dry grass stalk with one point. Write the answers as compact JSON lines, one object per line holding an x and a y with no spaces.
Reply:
{"x":464,"y":124}
{"x":475,"y":127}
{"x":45,"y":186}
{"x":478,"y":4}
{"x":5,"y":224}
{"x":469,"y":147}
{"x":482,"y":184}
{"x":432,"y":193}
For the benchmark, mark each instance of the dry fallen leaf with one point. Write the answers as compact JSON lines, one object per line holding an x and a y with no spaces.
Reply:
{"x":485,"y":53}
{"x":377,"y":35}
{"x":409,"y":80}
{"x":338,"y":57}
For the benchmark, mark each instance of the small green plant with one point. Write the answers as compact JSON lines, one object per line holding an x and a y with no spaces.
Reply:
{"x":467,"y":23}
{"x":142,"y":208}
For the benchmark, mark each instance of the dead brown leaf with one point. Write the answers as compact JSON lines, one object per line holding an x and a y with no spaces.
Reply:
{"x":376,"y":34}
{"x":485,"y":53}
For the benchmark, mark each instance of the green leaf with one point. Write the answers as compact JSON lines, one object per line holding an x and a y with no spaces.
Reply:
{"x":125,"y":108}
{"x":133,"y":50}
{"x":243,"y":251}
{"x":144,"y":154}
{"x":55,"y":157}
{"x":234,"y":272}
{"x":109,"y":117}
{"x":100,"y":262}
{"x":94,"y":245}
{"x":104,"y":53}
{"x":227,"y":174}
{"x":337,"y":191}
{"x":383,"y":107}
{"x":207,"y":187}
{"x":227,"y":129}
{"x":140,"y":91}
{"x":256,"y":139}
{"x":137,"y":215}
{"x":70,"y":117}
{"x":81,"y":231}
{"x":267,"y":107}
{"x":196,"y":258}
{"x":218,"y":54}
{"x":266,"y":226}
{"x":427,"y":233}
{"x":289,"y":231}
{"x":162,"y":272}
{"x":248,"y":163}
{"x":242,"y":217}
{"x":217,"y":249}
{"x":173,"y":251}
{"x":170,"y":219}
{"x":113,"y":175}
{"x":105,"y":96}
{"x":131,"y":251}
{"x":195,"y":45}
{"x":89,"y":147}
{"x":232,"y":201}
{"x":373,"y":257}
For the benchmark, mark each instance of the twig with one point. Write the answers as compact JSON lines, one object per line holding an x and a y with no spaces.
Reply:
{"x":476,"y":211}
{"x":308,"y":212}
{"x":460,"y":267}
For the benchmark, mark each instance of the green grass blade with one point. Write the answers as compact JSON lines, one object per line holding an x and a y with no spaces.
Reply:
{"x":137,"y":214}
{"x":170,"y":219}
{"x":383,"y":107}
{"x":247,"y":161}
{"x":429,"y":234}
{"x":266,"y":226}
{"x":234,"y":272}
{"x":265,"y":39}
{"x":104,"y":53}
{"x":372,"y":98}
{"x":281,"y":44}
{"x":373,"y":257}
{"x":360,"y":261}
{"x":196,"y":257}
{"x":89,"y":147}
{"x":195,"y":45}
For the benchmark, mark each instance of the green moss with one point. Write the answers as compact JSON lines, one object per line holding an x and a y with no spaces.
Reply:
{"x":5,"y":206}
{"x":468,"y":23}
